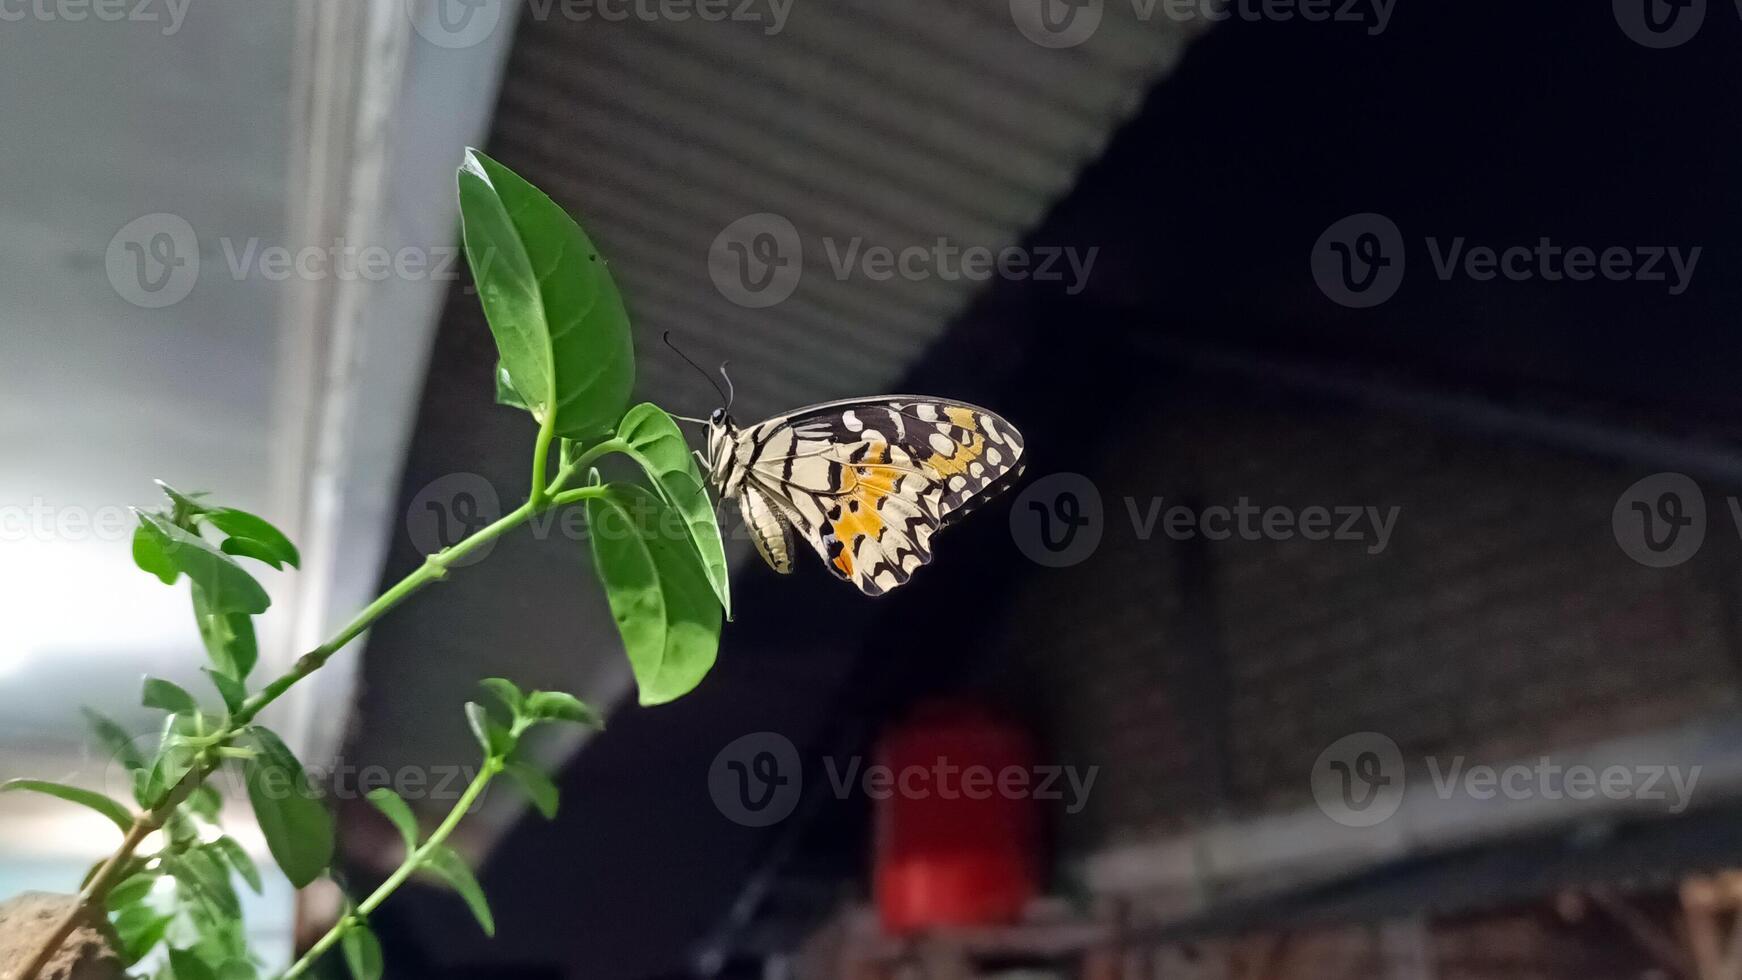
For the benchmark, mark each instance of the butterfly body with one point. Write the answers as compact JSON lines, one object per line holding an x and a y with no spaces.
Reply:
{"x":867,"y":482}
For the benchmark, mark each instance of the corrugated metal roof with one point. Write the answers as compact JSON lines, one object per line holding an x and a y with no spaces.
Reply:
{"x":889,"y":122}
{"x":882,"y":122}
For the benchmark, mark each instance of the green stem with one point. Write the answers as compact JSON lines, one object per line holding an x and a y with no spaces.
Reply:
{"x":541,"y":457}
{"x":434,"y":568}
{"x":577,"y":494}
{"x":409,"y":867}
{"x":592,"y":455}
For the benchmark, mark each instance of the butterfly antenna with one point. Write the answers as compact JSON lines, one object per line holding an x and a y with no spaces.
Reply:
{"x":731,"y":392}
{"x":666,"y":336}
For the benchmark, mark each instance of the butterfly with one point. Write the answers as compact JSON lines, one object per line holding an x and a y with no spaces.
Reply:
{"x":867,"y":482}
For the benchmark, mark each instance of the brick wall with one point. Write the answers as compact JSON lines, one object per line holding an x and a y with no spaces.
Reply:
{"x":1500,"y":619}
{"x":1515,"y":944}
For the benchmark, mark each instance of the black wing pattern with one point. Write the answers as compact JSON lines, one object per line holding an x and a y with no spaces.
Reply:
{"x":869,"y":481}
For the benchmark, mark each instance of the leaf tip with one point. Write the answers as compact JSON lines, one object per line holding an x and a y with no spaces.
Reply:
{"x":472,"y":162}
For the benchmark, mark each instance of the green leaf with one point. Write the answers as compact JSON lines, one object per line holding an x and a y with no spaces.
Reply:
{"x":249,"y":548}
{"x":117,"y":813}
{"x":229,"y":688}
{"x":238,"y":970}
{"x":114,"y":739}
{"x":148,"y":554}
{"x":362,"y":952}
{"x":506,"y":691}
{"x":656,"y":443}
{"x":559,"y":706}
{"x":390,"y":804}
{"x":496,"y":740}
{"x":451,"y":868}
{"x":238,"y":859}
{"x":537,"y":785}
{"x":188,"y":966}
{"x":228,"y":588}
{"x":140,"y":929}
{"x":173,"y":760}
{"x":222,"y":944}
{"x":666,"y":611}
{"x":505,"y":393}
{"x":298,"y":829}
{"x":228,"y":637}
{"x":186,"y":504}
{"x":559,"y":323}
{"x":162,"y":694}
{"x":206,"y":802}
{"x":208,"y":878}
{"x":132,"y":891}
{"x":253,"y":536}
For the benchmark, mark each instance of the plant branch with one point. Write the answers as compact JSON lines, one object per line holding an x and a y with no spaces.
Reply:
{"x":413,"y":862}
{"x":434,"y":568}
{"x":543,"y":496}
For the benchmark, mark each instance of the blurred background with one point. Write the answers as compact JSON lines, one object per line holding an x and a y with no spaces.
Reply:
{"x":1370,"y":607}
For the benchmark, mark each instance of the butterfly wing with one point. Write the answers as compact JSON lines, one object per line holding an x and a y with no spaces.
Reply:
{"x":869,"y":481}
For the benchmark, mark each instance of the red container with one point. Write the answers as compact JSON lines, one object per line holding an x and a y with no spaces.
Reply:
{"x":957,"y":828}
